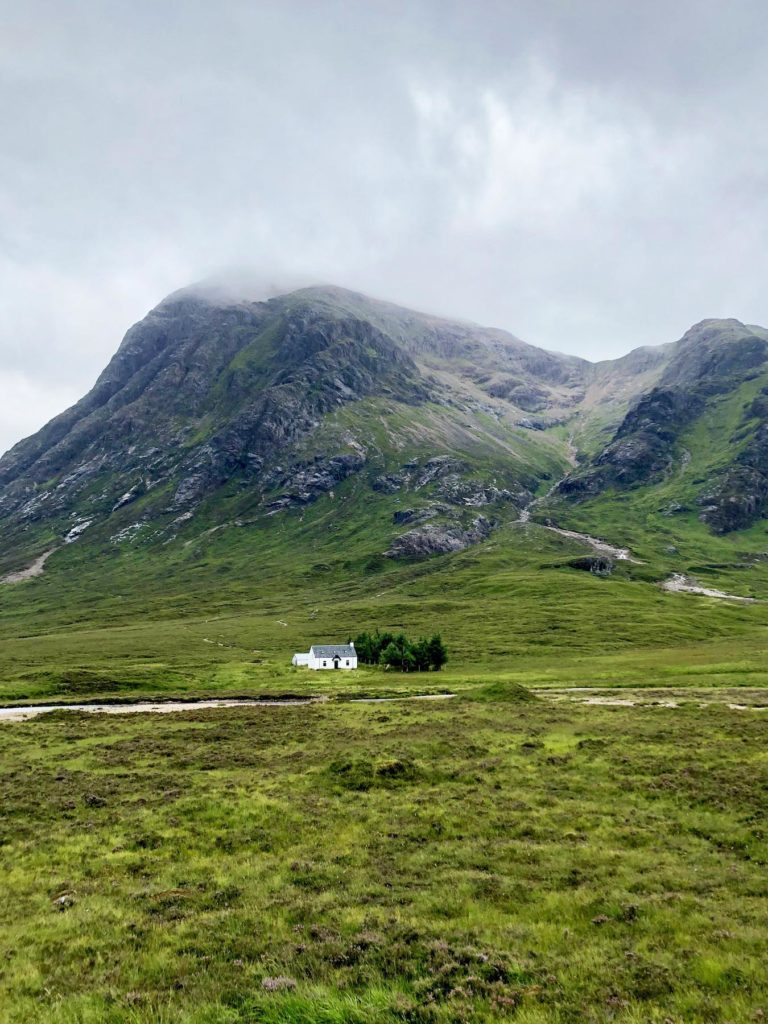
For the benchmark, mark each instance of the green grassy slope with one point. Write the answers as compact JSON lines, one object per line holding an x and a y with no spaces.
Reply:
{"x":153,"y":623}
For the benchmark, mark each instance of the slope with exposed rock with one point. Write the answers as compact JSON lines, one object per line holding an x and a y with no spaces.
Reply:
{"x":208,"y":397}
{"x":423,"y":436}
{"x":713,"y":370}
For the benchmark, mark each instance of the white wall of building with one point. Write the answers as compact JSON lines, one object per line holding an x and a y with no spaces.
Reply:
{"x":347,"y":660}
{"x":323,"y":663}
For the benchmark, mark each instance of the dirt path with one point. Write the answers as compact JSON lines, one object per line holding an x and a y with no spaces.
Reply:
{"x":601,"y":547}
{"x":36,"y":569}
{"x":680,"y":584}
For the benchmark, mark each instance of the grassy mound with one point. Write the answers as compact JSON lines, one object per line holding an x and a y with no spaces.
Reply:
{"x":500,"y":691}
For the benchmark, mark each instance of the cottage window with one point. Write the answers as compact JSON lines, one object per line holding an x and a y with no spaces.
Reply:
{"x":325,"y":664}
{"x":347,"y":662}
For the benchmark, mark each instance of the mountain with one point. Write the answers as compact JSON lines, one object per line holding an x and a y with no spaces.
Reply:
{"x":271,"y":398}
{"x":214,"y":405}
{"x":717,"y":371}
{"x":323,"y":456}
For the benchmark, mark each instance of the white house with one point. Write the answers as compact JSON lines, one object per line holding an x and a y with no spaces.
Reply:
{"x":328,"y":656}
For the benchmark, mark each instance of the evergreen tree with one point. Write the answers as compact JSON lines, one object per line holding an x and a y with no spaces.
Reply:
{"x":364,"y":649}
{"x":370,"y":645}
{"x":420,"y":651}
{"x":438,"y":655}
{"x":390,"y":656}
{"x":398,"y":654}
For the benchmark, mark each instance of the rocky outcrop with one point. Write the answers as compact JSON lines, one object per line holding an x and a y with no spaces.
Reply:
{"x":646,"y":447}
{"x":486,"y":356}
{"x":389,"y":483}
{"x":712,"y":359}
{"x":525,"y":396}
{"x":540,"y":424}
{"x":407,"y":516}
{"x":450,"y":479}
{"x":439,"y":539}
{"x":740,"y":496}
{"x":475,"y":494}
{"x":598,"y":565}
{"x":304,"y":483}
{"x":716,"y":351}
{"x":211,"y":404}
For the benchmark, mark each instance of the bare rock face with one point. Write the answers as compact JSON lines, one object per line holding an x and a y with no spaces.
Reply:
{"x":306,"y":482}
{"x":439,"y":539}
{"x":417,"y":515}
{"x":415,"y":475}
{"x":527,"y":397}
{"x":212,"y":408}
{"x":446,"y":478}
{"x":200,"y":393}
{"x":740,"y":496}
{"x":211,"y":403}
{"x":473,"y":493}
{"x":716,"y":350}
{"x":389,"y":483}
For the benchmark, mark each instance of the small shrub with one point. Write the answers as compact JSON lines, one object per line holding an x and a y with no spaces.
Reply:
{"x":354,"y":774}
{"x":360,"y":774}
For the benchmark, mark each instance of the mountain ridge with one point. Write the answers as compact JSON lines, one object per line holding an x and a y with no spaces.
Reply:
{"x":215,"y":409}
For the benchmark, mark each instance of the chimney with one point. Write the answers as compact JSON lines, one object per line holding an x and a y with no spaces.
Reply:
{"x":352,"y":644}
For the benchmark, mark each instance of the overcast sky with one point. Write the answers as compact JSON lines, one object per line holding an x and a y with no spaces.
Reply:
{"x":590,"y":175}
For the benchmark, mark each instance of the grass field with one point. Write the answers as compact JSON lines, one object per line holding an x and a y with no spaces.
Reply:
{"x":481,"y":859}
{"x":484,"y":858}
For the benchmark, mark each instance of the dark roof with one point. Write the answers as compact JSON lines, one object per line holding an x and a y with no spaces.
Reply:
{"x":330,"y":650}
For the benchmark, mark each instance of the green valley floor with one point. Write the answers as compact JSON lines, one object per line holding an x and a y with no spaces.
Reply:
{"x":497,"y":856}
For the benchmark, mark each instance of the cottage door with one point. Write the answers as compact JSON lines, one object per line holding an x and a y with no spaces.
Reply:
{"x":336,"y":662}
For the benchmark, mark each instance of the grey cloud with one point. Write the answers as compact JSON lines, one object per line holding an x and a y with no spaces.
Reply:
{"x":591,"y":176}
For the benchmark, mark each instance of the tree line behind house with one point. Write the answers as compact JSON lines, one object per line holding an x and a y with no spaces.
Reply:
{"x":395,"y":650}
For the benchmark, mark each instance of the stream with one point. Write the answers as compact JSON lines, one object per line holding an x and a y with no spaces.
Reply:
{"x":602,"y":547}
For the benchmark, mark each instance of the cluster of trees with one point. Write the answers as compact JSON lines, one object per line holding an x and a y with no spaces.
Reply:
{"x":397,"y":651}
